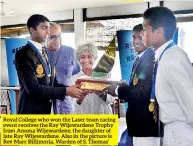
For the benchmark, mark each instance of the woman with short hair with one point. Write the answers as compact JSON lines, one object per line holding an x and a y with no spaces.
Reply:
{"x":95,"y":102}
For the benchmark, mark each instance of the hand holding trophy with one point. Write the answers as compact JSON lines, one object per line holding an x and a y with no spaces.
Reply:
{"x":79,"y":93}
{"x":76,"y":91}
{"x":111,"y":89}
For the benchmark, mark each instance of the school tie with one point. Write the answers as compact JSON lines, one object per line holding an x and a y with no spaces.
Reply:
{"x":132,"y":74}
{"x":137,"y":58}
{"x":45,"y":55}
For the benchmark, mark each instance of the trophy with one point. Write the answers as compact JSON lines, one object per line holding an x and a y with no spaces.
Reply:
{"x":94,"y":84}
{"x":102,"y":69}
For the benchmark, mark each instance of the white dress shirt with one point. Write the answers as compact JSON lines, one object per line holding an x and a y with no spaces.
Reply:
{"x":37,"y":45}
{"x":39,"y":48}
{"x":174,"y":85}
{"x":141,"y":54}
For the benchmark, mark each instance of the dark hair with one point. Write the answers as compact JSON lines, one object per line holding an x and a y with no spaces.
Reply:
{"x":138,"y":27}
{"x":35,"y":20}
{"x":161,"y":17}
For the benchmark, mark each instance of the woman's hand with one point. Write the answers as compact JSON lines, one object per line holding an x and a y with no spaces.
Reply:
{"x":80,"y":100}
{"x":102,"y":94}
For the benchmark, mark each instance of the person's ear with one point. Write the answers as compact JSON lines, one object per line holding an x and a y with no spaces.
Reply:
{"x":160,"y":32}
{"x":32,"y":30}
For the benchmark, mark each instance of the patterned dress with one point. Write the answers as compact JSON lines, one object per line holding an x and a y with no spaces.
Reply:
{"x":93,"y":104}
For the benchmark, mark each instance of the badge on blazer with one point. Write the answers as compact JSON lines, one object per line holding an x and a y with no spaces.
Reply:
{"x":151,"y":106}
{"x":135,"y":80}
{"x":39,"y":71}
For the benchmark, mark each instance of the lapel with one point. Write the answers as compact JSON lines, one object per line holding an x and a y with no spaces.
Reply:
{"x":139,"y":63}
{"x":135,"y":68}
{"x":43,"y":62}
{"x":40,"y":58}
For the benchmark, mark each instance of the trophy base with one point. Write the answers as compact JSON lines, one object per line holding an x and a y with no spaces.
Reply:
{"x":95,"y":85}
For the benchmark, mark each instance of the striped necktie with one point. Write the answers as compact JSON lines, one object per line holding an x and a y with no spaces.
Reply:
{"x":137,"y":58}
{"x":134,"y":64}
{"x":45,"y":55}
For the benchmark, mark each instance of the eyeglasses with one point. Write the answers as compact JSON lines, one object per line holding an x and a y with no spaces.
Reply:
{"x":54,"y":37}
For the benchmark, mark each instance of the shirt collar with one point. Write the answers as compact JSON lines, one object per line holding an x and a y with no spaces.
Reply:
{"x":37,"y":45}
{"x":141,"y":54}
{"x":159,"y":51}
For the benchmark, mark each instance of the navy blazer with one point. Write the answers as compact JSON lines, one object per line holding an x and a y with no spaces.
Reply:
{"x":37,"y":90}
{"x":140,"y":122}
